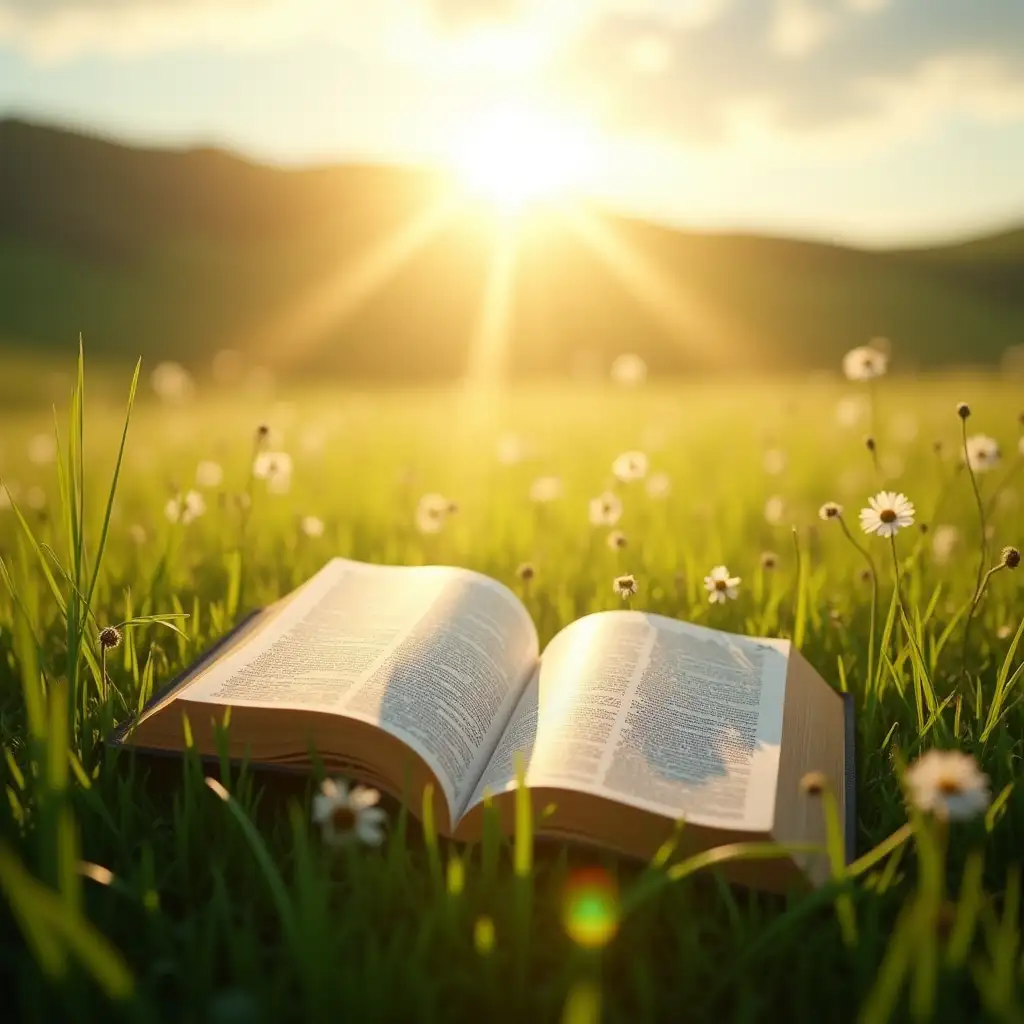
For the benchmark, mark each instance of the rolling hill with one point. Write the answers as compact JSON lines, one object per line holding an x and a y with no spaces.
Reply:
{"x":353,"y":270}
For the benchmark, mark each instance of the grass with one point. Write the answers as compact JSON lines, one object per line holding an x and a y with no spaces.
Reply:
{"x":141,"y":891}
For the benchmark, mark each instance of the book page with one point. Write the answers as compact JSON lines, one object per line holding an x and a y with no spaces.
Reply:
{"x":664,"y":715}
{"x":435,"y":656}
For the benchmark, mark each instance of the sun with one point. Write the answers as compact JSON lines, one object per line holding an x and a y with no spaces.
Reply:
{"x":514,"y":158}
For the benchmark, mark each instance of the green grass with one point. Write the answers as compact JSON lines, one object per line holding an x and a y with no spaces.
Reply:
{"x":199,"y":908}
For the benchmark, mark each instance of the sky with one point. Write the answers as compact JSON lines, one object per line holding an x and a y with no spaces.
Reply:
{"x":878,"y":122}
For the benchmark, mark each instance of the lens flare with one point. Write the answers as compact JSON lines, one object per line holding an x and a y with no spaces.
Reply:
{"x":590,"y":908}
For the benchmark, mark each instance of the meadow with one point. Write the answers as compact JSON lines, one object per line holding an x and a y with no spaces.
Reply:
{"x":130,"y":891}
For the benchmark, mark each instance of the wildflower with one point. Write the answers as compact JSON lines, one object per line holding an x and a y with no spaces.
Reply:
{"x":774,"y":461}
{"x":659,"y":485}
{"x":1011,"y":557}
{"x":526,"y":572}
{"x":982,"y":453}
{"x":209,"y":474}
{"x":617,"y":540}
{"x":775,"y":509}
{"x":629,"y":370}
{"x":275,"y":468}
{"x":605,"y":509}
{"x":888,"y":514}
{"x":963,"y":410}
{"x":830,"y":510}
{"x":312,"y":526}
{"x":864,"y":363}
{"x":185,"y":508}
{"x":813,"y":783}
{"x":949,"y":784}
{"x":720,"y":585}
{"x":944,"y":541}
{"x":624,"y":585}
{"x":110,"y":637}
{"x":42,"y":449}
{"x":431,"y":512}
{"x":545,"y":489}
{"x":630,"y":466}
{"x":172,"y":382}
{"x":769,"y":560}
{"x":345,"y":815}
{"x":510,"y":449}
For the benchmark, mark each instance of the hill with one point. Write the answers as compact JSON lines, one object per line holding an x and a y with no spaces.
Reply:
{"x":177,"y":254}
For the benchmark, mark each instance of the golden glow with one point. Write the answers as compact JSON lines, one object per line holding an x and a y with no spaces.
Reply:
{"x":515,"y":157}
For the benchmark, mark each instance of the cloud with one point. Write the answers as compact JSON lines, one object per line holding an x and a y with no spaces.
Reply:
{"x":802,"y":67}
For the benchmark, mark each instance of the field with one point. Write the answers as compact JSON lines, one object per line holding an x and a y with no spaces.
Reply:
{"x":198,"y":909}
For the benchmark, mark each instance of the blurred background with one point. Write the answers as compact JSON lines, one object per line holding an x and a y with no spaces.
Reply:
{"x":441,"y":189}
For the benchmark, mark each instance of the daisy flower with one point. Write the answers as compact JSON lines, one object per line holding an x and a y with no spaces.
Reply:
{"x":624,"y":585}
{"x":948,"y":784}
{"x":185,"y":508}
{"x":275,"y":468}
{"x":982,"y":453}
{"x":617,"y":540}
{"x":629,"y":370}
{"x":630,"y":466}
{"x":209,"y":474}
{"x":659,"y":485}
{"x":830,"y":510}
{"x":605,"y":509}
{"x":545,"y":489}
{"x":888,"y":514}
{"x":431,"y":513}
{"x":344,"y":815}
{"x":720,"y":585}
{"x":312,"y":526}
{"x":864,"y":363}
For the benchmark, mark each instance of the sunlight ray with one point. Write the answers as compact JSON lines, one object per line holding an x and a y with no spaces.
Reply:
{"x":708,"y":334}
{"x":300,"y":326}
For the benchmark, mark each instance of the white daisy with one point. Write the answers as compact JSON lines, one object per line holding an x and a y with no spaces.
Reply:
{"x":605,"y":509}
{"x":982,"y":453}
{"x":431,"y":513}
{"x":659,"y":485}
{"x":185,"y":508}
{"x":42,"y":449}
{"x":545,"y":489}
{"x":888,"y":514}
{"x":312,"y":526}
{"x":865,"y":363}
{"x":630,"y":466}
{"x":172,"y":382}
{"x":629,"y":370}
{"x":209,"y":474}
{"x":624,"y":586}
{"x":275,"y":468}
{"x":830,"y":510}
{"x":944,"y":542}
{"x":948,"y":784}
{"x":720,"y":585}
{"x":344,"y":815}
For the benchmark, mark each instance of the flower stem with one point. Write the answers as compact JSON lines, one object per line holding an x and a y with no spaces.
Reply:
{"x":979,"y":585}
{"x":903,"y":609}
{"x":874,"y":598}
{"x":978,"y":593}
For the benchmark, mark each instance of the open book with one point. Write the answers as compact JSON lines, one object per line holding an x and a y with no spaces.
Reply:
{"x":626,"y":722}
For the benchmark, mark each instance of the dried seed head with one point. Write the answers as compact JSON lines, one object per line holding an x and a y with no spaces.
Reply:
{"x":923,"y":527}
{"x":963,"y":410}
{"x":864,"y":575}
{"x":830,"y":510}
{"x":262,"y":433}
{"x":813,"y":783}
{"x":110,"y":637}
{"x":769,"y":560}
{"x":1011,"y":557}
{"x":869,"y":443}
{"x":526,"y":572}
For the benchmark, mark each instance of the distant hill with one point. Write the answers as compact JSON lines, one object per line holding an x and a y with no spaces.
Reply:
{"x":177,"y":254}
